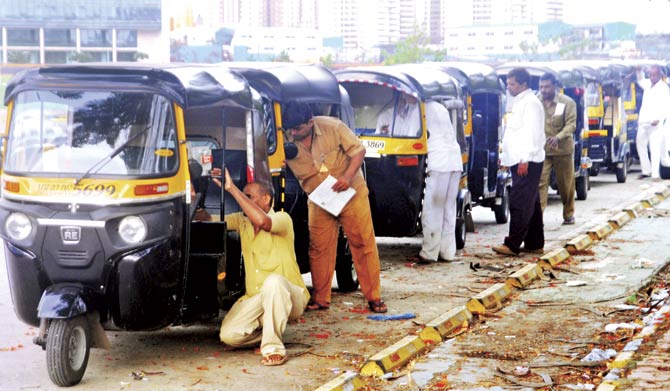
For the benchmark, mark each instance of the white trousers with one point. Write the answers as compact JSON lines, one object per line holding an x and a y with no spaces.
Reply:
{"x":263,"y":317}
{"x":650,"y":137}
{"x":438,"y":218}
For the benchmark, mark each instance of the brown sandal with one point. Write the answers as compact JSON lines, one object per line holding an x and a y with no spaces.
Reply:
{"x":377,"y":306}
{"x":314,"y":306}
{"x":273,"y":359}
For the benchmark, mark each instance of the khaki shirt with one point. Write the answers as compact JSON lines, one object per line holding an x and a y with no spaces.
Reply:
{"x":267,"y":253}
{"x":561,"y":125}
{"x":333,"y":144}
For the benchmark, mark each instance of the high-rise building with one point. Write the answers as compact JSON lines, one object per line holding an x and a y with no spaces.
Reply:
{"x":61,"y":31}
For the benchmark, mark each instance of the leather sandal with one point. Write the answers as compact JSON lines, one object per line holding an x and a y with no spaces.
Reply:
{"x":314,"y":306}
{"x":273,"y":359}
{"x":377,"y":306}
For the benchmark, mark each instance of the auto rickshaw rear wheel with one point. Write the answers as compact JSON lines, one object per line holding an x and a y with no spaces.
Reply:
{"x":622,"y":172}
{"x":347,"y":279}
{"x":68,"y":348}
{"x":501,"y":210}
{"x":582,"y":186}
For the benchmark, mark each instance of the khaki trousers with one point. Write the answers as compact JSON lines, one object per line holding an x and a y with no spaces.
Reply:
{"x":263,"y":317}
{"x":356,"y":221}
{"x":564,"y":167}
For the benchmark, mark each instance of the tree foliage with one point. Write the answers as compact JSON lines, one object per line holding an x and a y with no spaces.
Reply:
{"x":413,"y":49}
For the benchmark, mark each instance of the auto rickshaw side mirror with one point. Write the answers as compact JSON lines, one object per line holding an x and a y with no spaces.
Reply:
{"x":477,"y":119}
{"x":290,"y":150}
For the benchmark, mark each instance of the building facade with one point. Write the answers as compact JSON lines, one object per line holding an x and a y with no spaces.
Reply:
{"x":63,"y":31}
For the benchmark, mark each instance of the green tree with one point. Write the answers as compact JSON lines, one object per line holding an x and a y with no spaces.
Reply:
{"x":410,"y":50}
{"x":282,"y":57}
{"x":80,"y":57}
{"x":327,"y":61}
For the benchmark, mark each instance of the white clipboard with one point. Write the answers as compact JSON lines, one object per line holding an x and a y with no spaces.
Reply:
{"x":328,"y":199}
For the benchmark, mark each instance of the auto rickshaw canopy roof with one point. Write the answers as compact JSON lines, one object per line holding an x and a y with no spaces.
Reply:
{"x":188,"y":85}
{"x":421,"y":81}
{"x":285,"y":82}
{"x":567,"y":76}
{"x":475,"y":77}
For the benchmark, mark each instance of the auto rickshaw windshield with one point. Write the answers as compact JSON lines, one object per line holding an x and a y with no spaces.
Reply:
{"x":382,"y":111}
{"x":65,"y":133}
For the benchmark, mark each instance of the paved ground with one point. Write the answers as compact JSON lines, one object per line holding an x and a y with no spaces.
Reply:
{"x":326,"y":343}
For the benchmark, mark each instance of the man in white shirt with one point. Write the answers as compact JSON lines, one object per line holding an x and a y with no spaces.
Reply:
{"x":438,"y":218}
{"x":523,"y":153}
{"x":403,"y":119}
{"x":652,"y":122}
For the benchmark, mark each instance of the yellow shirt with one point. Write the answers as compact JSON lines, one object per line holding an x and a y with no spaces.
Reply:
{"x":265,"y":252}
{"x":332,"y":147}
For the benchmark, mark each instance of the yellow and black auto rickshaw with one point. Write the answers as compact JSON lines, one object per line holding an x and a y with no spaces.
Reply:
{"x":612,"y":116}
{"x":279,"y":83}
{"x":396,"y":153}
{"x":97,"y":203}
{"x":483,"y":93}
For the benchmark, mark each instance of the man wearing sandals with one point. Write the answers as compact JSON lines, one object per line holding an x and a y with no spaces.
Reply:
{"x":275,"y":291}
{"x":326,"y":146}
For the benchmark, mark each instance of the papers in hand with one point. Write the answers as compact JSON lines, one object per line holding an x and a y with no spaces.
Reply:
{"x":330,"y":200}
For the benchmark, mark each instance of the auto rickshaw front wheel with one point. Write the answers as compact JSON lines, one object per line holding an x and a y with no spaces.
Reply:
{"x":582,"y":186}
{"x":68,"y":348}
{"x":501,"y":211}
{"x":347,"y":279}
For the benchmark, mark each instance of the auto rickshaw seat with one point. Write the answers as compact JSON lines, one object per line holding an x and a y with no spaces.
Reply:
{"x":236,"y":163}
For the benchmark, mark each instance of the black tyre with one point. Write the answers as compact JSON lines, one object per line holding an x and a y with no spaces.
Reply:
{"x":502,"y":211}
{"x":68,"y":348}
{"x":582,"y":186}
{"x":621,"y":172}
{"x":460,"y":233}
{"x":594,"y":170}
{"x":664,"y":172}
{"x":347,"y":279}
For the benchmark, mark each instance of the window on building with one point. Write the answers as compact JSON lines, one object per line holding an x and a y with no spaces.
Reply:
{"x":126,"y":56}
{"x":23,"y":56}
{"x":126,"y":38}
{"x":23,"y":37}
{"x":85,"y":56}
{"x":96,"y":38}
{"x":56,"y":57}
{"x":60,"y":37}
{"x":509,"y":32}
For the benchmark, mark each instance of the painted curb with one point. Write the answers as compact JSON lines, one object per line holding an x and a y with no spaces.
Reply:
{"x":607,"y":387}
{"x":394,"y":356}
{"x":620,"y":219}
{"x":634,"y":209}
{"x":579,"y":243}
{"x":553,"y":258}
{"x":348,"y":381}
{"x":525,"y":276}
{"x":601,"y":231}
{"x":651,"y":200}
{"x":440,"y":328}
{"x":664,"y":192}
{"x":489,"y":299}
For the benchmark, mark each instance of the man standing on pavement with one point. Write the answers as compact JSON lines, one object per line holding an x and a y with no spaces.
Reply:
{"x":438,"y":218}
{"x":326,"y":146}
{"x":652,"y":122}
{"x":523,"y":154}
{"x":560,"y":121}
{"x":275,"y":291}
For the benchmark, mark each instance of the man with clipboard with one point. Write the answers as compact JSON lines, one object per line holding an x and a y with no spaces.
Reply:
{"x":326,"y":147}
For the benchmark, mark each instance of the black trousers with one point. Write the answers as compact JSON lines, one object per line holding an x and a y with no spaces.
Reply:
{"x":526,"y":225}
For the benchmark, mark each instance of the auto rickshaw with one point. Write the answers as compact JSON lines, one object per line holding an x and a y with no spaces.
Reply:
{"x":572,"y":84}
{"x":395,"y":160}
{"x":279,"y":83}
{"x":483,"y":94}
{"x":612,"y":117}
{"x":97,"y":206}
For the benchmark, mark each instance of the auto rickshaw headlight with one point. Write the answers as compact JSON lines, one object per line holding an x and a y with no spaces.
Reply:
{"x":132,"y":229}
{"x":18,"y":226}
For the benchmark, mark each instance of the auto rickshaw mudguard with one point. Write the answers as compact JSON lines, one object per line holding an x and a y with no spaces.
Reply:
{"x":624,"y":150}
{"x":504,"y":179}
{"x":65,"y":301}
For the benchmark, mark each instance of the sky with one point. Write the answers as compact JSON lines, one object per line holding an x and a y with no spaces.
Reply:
{"x":650,"y":16}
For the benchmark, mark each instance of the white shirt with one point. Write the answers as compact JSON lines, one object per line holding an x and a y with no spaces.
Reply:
{"x":444,"y":153}
{"x":407,"y":122}
{"x":655,"y":102}
{"x":524,"y":139}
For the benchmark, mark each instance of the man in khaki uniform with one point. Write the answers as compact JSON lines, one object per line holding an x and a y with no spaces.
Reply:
{"x":326,"y":146}
{"x":560,"y":121}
